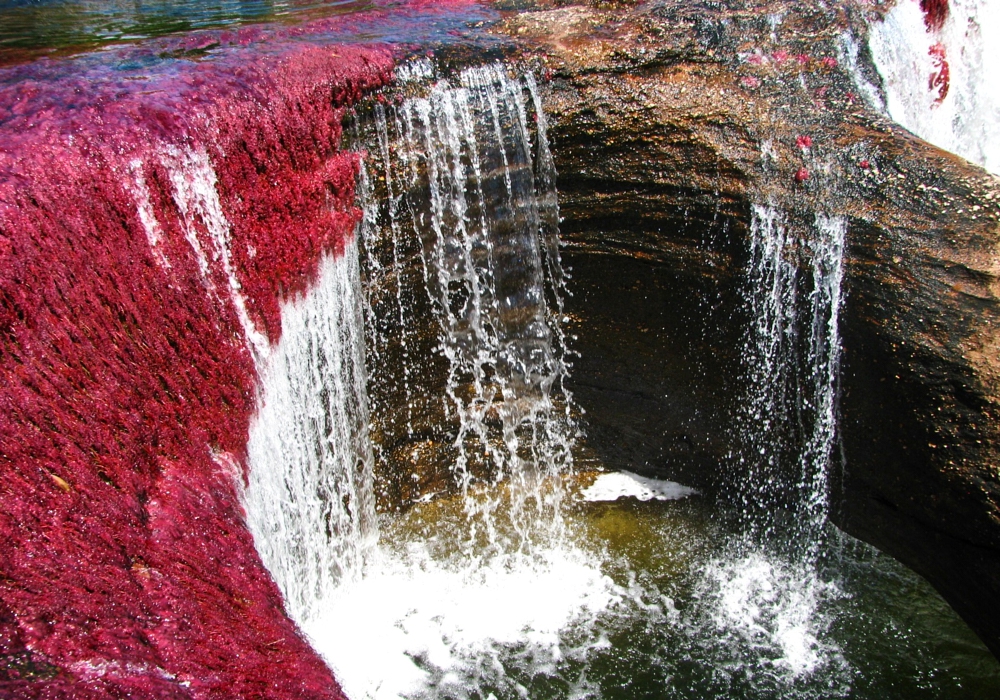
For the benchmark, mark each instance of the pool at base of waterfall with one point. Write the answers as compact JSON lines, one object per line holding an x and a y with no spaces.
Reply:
{"x":635,"y":598}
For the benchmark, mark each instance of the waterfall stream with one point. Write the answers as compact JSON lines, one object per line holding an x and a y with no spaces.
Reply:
{"x":469,"y":191}
{"x":497,"y":568}
{"x":296,"y":368}
{"x":482,"y":211}
{"x":791,"y":356}
{"x":769,"y":585}
{"x":313,"y":519}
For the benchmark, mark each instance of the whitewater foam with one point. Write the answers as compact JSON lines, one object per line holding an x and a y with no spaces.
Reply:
{"x":623,"y":484}
{"x":416,"y":626}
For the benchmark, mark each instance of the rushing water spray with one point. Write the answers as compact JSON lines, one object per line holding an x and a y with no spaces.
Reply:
{"x":939,"y":75}
{"x":309,"y":498}
{"x":465,"y":232}
{"x":792,"y":350}
{"x":766,"y":592}
{"x":468,"y":185}
{"x":444,"y":319}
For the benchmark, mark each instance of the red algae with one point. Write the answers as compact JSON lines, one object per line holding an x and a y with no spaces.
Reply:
{"x":151,"y":222}
{"x":940,"y":79}
{"x":935,"y":13}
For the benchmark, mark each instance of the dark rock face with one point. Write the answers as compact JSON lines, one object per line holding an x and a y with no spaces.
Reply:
{"x":668,"y":121}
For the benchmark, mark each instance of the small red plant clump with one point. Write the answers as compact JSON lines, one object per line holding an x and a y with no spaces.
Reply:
{"x":940,"y":80}
{"x":801,"y":175}
{"x":804,"y":142}
{"x":865,"y":165}
{"x":750,"y":81}
{"x":935,"y":13}
{"x":829,"y":62}
{"x":780,"y":56}
{"x":127,"y":383}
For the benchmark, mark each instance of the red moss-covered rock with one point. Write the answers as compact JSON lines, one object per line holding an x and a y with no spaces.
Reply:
{"x":153,"y":214}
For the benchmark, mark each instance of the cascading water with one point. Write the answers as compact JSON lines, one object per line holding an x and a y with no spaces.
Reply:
{"x":937,"y":70}
{"x":309,"y":497}
{"x":484,"y":219}
{"x":491,"y":572}
{"x":791,"y":355}
{"x":768,"y":587}
{"x":448,"y":612}
{"x":201,"y":176}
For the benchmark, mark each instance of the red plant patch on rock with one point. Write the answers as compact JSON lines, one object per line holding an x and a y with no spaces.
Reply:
{"x":151,"y":220}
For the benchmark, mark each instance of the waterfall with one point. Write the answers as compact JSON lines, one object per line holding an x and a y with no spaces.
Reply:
{"x":767,"y":592}
{"x":459,"y":241}
{"x":432,"y":352}
{"x":309,"y":498}
{"x":937,"y":79}
{"x":470,"y":190}
{"x":787,"y":422}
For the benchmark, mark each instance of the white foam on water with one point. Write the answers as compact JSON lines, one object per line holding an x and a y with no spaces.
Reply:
{"x":623,"y":484}
{"x":414,"y":626}
{"x":775,"y":609}
{"x":967,"y":120}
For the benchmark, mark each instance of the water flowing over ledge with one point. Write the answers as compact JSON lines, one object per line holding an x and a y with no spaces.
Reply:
{"x":938,"y":75}
{"x":495,"y":578}
{"x":477,"y":197}
{"x":207,"y":347}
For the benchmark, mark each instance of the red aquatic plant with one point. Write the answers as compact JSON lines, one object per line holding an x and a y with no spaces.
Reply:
{"x":935,"y":13}
{"x":128,"y":380}
{"x":940,"y":79}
